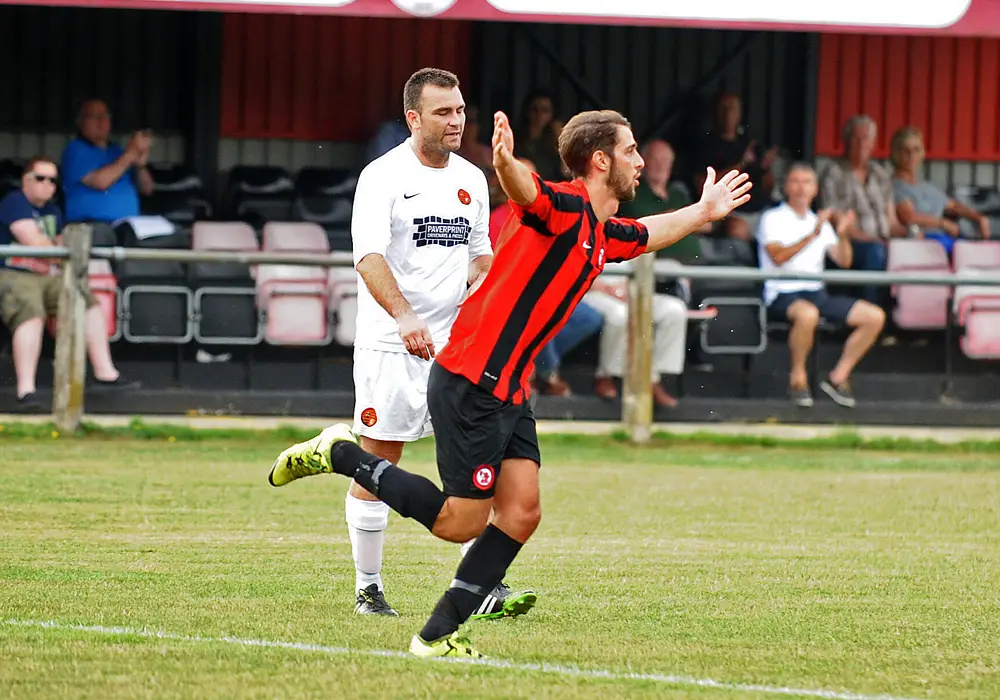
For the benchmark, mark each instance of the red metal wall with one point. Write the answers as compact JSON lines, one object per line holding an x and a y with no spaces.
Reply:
{"x":948,"y":87}
{"x":327,"y":78}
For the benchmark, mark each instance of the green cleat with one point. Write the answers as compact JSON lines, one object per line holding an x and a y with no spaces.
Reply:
{"x":454,"y":645}
{"x":309,"y":457}
{"x":503,"y":603}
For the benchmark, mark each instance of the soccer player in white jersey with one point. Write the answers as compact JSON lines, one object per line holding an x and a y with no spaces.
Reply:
{"x":420,"y":230}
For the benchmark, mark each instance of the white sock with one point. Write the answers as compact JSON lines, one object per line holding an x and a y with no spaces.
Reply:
{"x":467,"y":546}
{"x":366,"y":523}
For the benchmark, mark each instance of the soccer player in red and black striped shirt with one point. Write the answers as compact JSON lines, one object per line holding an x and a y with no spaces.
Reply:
{"x":557,"y":240}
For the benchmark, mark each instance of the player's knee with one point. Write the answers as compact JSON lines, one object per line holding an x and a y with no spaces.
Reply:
{"x":531,"y":518}
{"x":521,"y":520}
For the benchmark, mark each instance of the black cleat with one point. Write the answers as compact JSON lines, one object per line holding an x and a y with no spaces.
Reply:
{"x":371,"y":601}
{"x":501,"y":602}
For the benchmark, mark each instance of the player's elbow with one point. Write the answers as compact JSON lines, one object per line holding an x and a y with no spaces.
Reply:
{"x":369,"y":264}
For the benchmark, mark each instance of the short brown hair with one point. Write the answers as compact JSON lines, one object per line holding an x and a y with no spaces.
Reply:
{"x":586,"y":134}
{"x":414,"y":87}
{"x":35,"y":160}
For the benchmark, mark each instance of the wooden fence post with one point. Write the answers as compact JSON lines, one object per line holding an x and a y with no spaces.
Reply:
{"x":71,"y":353}
{"x":637,"y":399}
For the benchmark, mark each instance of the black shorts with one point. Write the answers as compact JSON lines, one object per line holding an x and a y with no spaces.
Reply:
{"x":833,"y":308}
{"x":474,"y":432}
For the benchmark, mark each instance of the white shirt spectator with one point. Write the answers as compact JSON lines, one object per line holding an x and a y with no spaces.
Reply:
{"x":783,"y":226}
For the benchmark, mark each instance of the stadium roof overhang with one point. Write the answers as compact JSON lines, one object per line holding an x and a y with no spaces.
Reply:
{"x":940,"y":17}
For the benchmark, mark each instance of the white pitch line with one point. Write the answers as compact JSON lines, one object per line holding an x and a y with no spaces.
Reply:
{"x":556,"y":669}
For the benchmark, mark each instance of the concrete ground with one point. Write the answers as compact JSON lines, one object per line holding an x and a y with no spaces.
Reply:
{"x":776,"y":430}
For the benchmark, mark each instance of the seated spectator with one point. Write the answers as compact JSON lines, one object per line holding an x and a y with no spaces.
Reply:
{"x":792,"y":237}
{"x":473,"y":148}
{"x":656,"y":194}
{"x":726,"y":148}
{"x":856,"y":183}
{"x":609,"y":296}
{"x":100,"y":179}
{"x":537,"y":136}
{"x":30,"y":287}
{"x":583,"y":322}
{"x":925,"y":210}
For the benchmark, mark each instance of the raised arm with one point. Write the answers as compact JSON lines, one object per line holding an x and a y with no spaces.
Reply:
{"x":718,"y":199}
{"x":103,"y":178}
{"x":515,"y":178}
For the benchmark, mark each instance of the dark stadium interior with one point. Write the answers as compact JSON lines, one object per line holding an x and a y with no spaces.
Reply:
{"x":278,"y":138}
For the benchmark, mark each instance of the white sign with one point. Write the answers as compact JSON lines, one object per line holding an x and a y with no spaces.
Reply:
{"x":424,"y":8}
{"x":881,"y":13}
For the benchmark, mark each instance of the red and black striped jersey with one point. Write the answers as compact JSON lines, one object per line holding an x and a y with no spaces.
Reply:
{"x":548,"y":255}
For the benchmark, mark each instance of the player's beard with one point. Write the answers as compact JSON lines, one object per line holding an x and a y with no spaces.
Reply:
{"x":438,"y":145}
{"x":621,"y":186}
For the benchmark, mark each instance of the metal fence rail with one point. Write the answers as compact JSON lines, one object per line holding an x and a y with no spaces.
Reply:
{"x":637,"y":400}
{"x":663,"y":270}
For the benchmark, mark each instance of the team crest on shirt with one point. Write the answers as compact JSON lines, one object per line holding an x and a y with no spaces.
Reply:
{"x":437,"y":230}
{"x":482,"y":478}
{"x":464,"y":197}
{"x":369,"y":417}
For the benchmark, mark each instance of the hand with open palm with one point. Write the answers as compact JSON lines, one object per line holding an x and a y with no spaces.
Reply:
{"x":722,"y":197}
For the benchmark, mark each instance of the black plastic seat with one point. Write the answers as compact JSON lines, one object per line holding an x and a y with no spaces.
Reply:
{"x":157,"y":304}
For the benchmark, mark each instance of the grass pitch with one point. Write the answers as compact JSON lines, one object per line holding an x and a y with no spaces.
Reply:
{"x":850,"y":571}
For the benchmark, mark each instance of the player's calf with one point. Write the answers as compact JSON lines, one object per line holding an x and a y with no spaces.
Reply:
{"x":477,"y":576}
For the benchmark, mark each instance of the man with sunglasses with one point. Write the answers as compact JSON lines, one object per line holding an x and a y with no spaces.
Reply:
{"x":30,"y":287}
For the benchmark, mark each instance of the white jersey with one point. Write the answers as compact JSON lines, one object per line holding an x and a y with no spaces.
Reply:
{"x":428,"y":223}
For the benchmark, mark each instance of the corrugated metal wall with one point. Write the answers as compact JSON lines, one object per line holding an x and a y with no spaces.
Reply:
{"x":647,"y":72}
{"x":53,"y":57}
{"x":949,"y":88}
{"x":327,"y":78}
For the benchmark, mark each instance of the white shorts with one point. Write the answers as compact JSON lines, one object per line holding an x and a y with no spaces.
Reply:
{"x":390,"y":395}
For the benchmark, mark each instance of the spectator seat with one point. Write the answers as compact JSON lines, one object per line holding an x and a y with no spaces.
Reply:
{"x":919,"y":307}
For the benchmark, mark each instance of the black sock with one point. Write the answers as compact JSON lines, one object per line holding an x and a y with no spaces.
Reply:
{"x":410,"y":495}
{"x":480,"y":571}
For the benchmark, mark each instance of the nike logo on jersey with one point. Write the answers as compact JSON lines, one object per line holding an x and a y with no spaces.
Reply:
{"x":410,"y":196}
{"x":586,"y":245}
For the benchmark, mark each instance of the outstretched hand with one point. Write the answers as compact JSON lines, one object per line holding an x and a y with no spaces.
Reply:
{"x":503,"y":141}
{"x":731,"y":191}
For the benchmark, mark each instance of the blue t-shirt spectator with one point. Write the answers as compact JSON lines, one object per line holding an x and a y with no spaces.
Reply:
{"x":16,"y":207}
{"x":83,"y":203}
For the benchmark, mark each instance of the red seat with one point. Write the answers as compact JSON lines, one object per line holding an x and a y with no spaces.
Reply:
{"x":223,"y":235}
{"x":981,"y":340}
{"x":104,"y":286}
{"x":919,"y":307}
{"x":300,"y":237}
{"x":294,"y":299}
{"x":977,"y":307}
{"x":976,"y":254}
{"x":343,"y":299}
